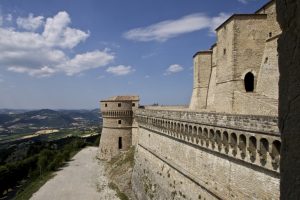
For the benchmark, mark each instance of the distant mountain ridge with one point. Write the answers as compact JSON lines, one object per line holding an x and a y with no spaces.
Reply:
{"x":47,"y":118}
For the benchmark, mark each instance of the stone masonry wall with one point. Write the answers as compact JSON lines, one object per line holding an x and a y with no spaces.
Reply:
{"x":255,"y":105}
{"x":225,"y":62}
{"x":169,"y":169}
{"x":108,"y":147}
{"x":268,"y":76}
{"x":250,"y":37}
{"x":117,"y":128}
{"x":212,"y":89}
{"x":202,"y":71}
{"x":191,"y":155}
{"x":273,"y":25}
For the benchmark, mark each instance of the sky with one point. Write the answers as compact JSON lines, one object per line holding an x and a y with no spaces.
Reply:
{"x":63,"y":54}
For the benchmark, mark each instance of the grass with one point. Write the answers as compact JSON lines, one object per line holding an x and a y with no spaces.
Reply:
{"x":118,"y":167}
{"x":33,"y":186}
{"x":14,"y":136}
{"x":68,"y":132}
{"x":121,"y":159}
{"x":120,"y":194}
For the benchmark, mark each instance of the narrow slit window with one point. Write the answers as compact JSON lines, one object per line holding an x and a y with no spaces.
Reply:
{"x":120,"y":143}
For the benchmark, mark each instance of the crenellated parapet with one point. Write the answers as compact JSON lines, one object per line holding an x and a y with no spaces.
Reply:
{"x":247,"y":139}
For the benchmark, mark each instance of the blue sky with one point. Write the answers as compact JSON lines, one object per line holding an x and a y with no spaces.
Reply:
{"x":71,"y":54}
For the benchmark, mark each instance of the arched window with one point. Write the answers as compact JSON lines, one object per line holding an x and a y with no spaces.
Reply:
{"x":249,"y":82}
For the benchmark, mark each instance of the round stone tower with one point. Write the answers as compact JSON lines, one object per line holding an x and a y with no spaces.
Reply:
{"x":118,"y":125}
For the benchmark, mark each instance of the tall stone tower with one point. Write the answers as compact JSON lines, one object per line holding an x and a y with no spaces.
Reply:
{"x":202,"y":69}
{"x":118,"y":125}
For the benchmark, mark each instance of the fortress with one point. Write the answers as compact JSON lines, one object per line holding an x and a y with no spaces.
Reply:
{"x":226,"y":145}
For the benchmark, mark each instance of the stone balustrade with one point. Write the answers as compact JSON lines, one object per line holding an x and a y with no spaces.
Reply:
{"x":253,"y":140}
{"x":117,"y":113}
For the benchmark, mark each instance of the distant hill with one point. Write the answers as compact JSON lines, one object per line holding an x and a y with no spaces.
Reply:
{"x":12,"y":111}
{"x":11,"y":121}
{"x":90,"y":115}
{"x":45,"y":118}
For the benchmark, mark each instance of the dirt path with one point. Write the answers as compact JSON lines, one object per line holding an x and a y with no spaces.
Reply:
{"x":83,"y":178}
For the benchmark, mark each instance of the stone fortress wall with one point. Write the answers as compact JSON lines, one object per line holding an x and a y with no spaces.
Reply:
{"x":193,"y":155}
{"x":227,"y":144}
{"x":246,"y":46}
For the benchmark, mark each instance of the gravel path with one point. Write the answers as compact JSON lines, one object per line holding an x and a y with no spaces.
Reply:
{"x":82,"y":179}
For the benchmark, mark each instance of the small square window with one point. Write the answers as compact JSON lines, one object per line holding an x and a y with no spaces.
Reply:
{"x":119,"y":121}
{"x":119,"y":104}
{"x":266,"y":59}
{"x":133,"y":104}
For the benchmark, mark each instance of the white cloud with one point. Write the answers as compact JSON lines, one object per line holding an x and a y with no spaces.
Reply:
{"x":120,"y":70}
{"x":90,"y":60}
{"x":57,"y":32}
{"x":217,"y":21}
{"x":243,"y":1}
{"x":30,"y":23}
{"x":44,"y":54}
{"x":9,"y":18}
{"x":165,"y":30}
{"x":42,"y":72}
{"x":175,"y":68}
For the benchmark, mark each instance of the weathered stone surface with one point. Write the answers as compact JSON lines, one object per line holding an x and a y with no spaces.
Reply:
{"x":170,"y":169}
{"x":227,"y":144}
{"x":202,"y":73}
{"x":216,"y":156}
{"x":118,"y":125}
{"x":289,"y":92}
{"x":246,"y":43}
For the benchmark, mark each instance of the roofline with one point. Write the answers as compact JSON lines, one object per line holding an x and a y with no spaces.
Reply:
{"x":119,"y":100}
{"x":212,"y":46}
{"x":265,"y":5}
{"x":239,"y":15}
{"x":202,"y":52}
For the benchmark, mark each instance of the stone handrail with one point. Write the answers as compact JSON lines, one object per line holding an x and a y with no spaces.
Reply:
{"x":241,"y":141}
{"x":257,"y":123}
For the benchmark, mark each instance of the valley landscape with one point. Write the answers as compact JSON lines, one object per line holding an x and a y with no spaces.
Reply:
{"x":149,"y":100}
{"x":34,"y":144}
